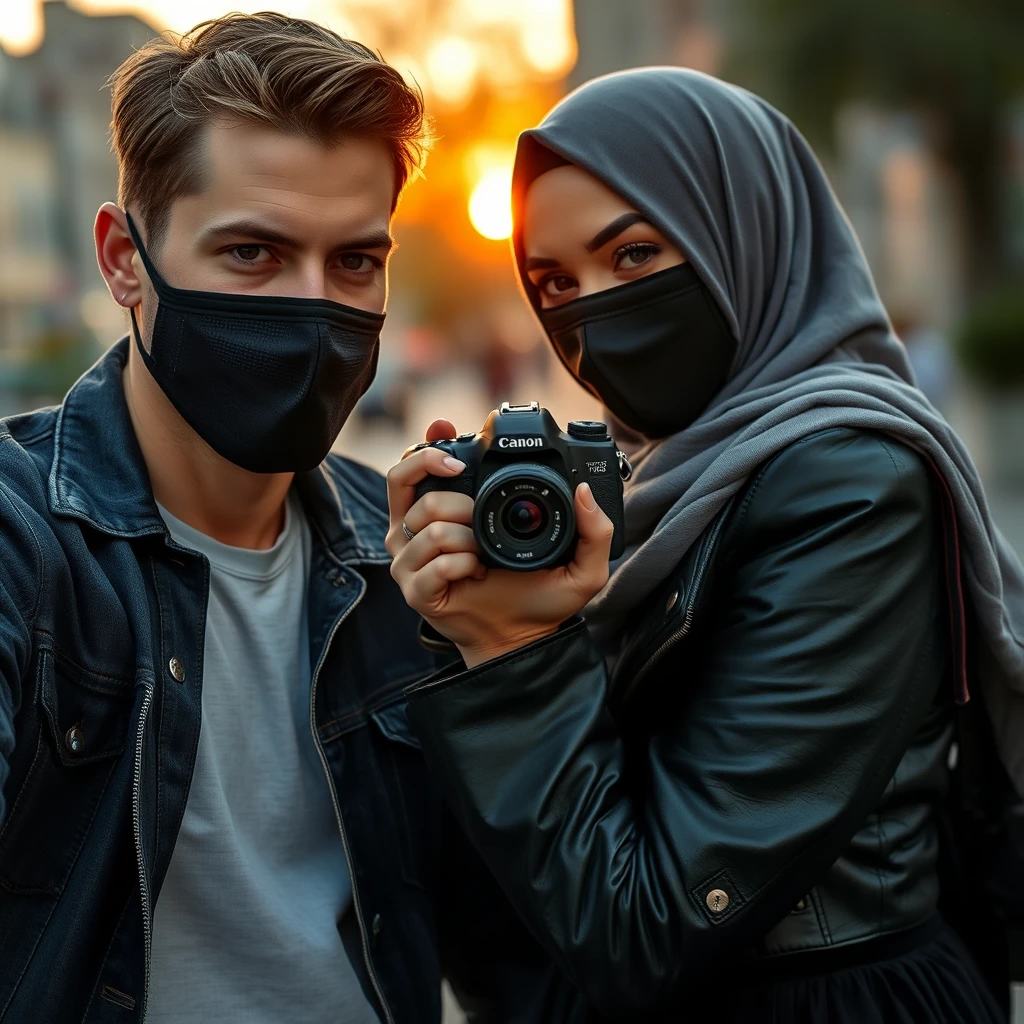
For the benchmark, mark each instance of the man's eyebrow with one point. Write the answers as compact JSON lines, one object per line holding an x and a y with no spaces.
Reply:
{"x":613,"y":230}
{"x":540,"y":263}
{"x":254,"y":231}
{"x":374,"y":240}
{"x":251,"y":230}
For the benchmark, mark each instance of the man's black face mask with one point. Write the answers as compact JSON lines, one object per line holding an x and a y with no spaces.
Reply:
{"x":655,"y":351}
{"x":267,"y":382}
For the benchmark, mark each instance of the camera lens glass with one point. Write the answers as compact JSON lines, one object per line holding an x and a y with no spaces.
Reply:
{"x":524,"y":518}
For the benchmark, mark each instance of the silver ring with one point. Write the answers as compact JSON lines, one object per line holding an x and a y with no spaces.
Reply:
{"x":408,"y":533}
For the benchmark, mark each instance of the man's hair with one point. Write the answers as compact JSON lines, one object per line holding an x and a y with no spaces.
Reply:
{"x":264,"y":69}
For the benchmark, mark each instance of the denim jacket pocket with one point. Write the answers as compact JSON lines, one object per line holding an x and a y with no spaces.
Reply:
{"x":68,"y":739}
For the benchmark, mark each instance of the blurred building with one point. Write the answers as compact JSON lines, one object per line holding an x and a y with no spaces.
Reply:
{"x":904,"y":208}
{"x":56,"y":169}
{"x":30,"y":265}
{"x":612,"y":35}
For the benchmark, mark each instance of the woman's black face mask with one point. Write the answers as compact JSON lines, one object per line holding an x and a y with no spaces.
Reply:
{"x":655,"y":351}
{"x":267,"y":382}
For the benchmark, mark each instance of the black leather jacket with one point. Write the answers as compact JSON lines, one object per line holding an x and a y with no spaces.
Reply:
{"x":759,"y":776}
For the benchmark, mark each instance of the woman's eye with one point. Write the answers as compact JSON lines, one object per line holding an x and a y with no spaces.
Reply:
{"x":358,"y":263}
{"x":558,"y":284}
{"x":629,"y":257}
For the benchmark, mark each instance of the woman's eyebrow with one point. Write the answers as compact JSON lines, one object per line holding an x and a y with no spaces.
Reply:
{"x":617,"y":226}
{"x":541,"y":263}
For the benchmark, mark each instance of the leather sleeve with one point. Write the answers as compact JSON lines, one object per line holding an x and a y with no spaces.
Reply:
{"x":822,"y":657}
{"x":498,"y":971}
{"x":19,"y":588}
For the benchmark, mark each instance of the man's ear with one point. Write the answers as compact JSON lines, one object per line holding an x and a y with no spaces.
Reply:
{"x":117,"y":256}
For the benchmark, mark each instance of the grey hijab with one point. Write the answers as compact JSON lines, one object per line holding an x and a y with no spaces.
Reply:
{"x":737,"y":188}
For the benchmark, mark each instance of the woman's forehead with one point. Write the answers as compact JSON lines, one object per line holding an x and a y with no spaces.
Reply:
{"x":567,"y":199}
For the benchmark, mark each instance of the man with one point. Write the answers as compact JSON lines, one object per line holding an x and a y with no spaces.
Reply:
{"x":213,"y":808}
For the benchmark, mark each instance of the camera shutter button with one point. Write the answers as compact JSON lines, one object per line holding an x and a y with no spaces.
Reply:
{"x":466,"y":437}
{"x":588,"y":430}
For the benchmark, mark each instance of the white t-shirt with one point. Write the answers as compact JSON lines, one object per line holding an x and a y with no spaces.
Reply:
{"x":245,"y":926}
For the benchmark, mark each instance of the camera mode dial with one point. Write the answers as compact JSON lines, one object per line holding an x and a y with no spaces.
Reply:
{"x":588,"y":430}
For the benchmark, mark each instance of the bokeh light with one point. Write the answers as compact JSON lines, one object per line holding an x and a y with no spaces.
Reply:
{"x":452,"y":64}
{"x":490,"y":205}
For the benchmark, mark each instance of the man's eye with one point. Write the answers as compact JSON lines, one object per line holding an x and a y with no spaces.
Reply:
{"x":248,"y":253}
{"x":634,"y":255}
{"x":558,"y":284}
{"x":358,"y":263}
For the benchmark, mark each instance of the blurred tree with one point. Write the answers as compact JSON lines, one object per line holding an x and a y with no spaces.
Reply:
{"x":58,"y":358}
{"x":958,"y":62}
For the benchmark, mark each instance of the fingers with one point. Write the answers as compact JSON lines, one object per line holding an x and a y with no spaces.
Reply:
{"x":437,"y":538}
{"x":440,"y":554}
{"x":428,"y":590}
{"x":402,"y":481}
{"x":440,"y":506}
{"x":589,"y":567}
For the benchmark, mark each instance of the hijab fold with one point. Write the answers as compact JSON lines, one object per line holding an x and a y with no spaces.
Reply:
{"x":736,"y":187}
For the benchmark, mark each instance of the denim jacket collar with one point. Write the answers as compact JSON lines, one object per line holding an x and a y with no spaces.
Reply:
{"x":99,"y":475}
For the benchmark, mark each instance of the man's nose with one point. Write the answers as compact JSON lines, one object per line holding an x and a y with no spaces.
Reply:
{"x":311,"y":282}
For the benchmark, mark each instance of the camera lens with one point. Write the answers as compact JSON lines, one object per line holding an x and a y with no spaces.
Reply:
{"x":524,"y":519}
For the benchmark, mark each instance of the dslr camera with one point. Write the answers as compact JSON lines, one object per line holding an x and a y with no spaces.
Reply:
{"x":522,"y":473}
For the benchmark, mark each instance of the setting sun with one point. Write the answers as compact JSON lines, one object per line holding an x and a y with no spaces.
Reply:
{"x":490,"y":205}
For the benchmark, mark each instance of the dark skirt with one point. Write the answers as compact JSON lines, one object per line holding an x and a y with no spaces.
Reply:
{"x":924,"y":976}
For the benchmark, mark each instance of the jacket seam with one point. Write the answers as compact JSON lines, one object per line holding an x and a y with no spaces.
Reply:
{"x":59,"y":655}
{"x":872,"y":934}
{"x":106,"y":956}
{"x":7,"y":883}
{"x":352,"y":490}
{"x":374,"y":702}
{"x":823,"y":921}
{"x":892,"y":458}
{"x":759,"y":479}
{"x":28,"y":961}
{"x":38,"y":558}
{"x":56,"y":898}
{"x":25,"y":442}
{"x":835,"y":828}
{"x":360,"y":554}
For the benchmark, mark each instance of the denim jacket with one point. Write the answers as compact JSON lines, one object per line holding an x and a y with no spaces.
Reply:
{"x":102,"y":623}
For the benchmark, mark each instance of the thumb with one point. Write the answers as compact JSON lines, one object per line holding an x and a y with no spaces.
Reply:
{"x":595,"y":543}
{"x":440,"y":430}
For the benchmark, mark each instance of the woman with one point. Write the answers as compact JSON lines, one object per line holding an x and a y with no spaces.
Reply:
{"x":720,"y":791}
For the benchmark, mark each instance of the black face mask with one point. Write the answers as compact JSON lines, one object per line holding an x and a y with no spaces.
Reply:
{"x":266,"y":382}
{"x":655,"y":351}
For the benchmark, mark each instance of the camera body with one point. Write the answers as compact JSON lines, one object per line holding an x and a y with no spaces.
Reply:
{"x":522,"y":472}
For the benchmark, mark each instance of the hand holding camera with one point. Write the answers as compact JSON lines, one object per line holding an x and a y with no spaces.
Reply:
{"x":470,"y":513}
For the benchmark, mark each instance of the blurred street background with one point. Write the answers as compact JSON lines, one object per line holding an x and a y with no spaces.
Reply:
{"x":916,"y":109}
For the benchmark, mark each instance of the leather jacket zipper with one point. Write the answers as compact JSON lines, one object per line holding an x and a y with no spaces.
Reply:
{"x":684,"y":628}
{"x":337,"y":806}
{"x":147,"y":917}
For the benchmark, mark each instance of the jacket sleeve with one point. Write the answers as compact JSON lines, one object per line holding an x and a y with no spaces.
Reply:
{"x":498,"y":971}
{"x":19,"y":587}
{"x":822,"y":657}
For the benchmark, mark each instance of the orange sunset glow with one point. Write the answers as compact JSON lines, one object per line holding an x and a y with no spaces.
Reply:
{"x":458,"y":52}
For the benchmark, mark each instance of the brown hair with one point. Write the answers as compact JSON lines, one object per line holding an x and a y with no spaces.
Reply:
{"x":267,"y":69}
